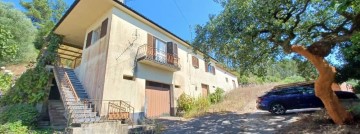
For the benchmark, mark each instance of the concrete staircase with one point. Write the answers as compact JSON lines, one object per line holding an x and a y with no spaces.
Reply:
{"x":56,"y":115}
{"x":76,"y":111}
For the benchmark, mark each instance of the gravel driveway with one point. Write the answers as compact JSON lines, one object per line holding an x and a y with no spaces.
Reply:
{"x":230,"y":122}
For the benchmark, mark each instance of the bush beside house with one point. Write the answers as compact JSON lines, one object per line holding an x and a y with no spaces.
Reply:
{"x":193,"y":107}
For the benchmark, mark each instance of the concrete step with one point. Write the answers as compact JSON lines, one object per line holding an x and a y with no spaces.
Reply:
{"x":83,"y":115}
{"x":80,"y":111}
{"x":77,"y":107}
{"x":88,"y":120}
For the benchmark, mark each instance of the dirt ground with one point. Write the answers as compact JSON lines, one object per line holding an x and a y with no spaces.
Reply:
{"x":237,"y":113}
{"x":17,"y":69}
{"x":319,"y":122}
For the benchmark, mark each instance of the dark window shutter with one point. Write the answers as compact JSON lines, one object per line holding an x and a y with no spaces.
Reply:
{"x":175,"y":49}
{"x":88,"y":39}
{"x":193,"y":61}
{"x":170,"y":49}
{"x":104,"y":27}
{"x":197,"y":62}
{"x":150,"y":45}
{"x":213,"y":69}
{"x":206,"y":67}
{"x":170,"y":53}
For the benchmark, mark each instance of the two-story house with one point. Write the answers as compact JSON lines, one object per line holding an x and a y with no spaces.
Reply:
{"x":119,"y":54}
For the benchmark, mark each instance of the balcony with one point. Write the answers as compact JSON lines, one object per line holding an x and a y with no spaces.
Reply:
{"x":158,"y":58}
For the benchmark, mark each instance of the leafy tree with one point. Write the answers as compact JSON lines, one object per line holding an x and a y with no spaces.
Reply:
{"x":249,"y":32}
{"x":44,"y":14}
{"x":8,"y":50}
{"x":351,"y":54}
{"x":31,"y":86}
{"x":16,"y":36}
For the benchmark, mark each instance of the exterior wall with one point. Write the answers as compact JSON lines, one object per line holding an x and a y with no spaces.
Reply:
{"x":127,"y":34}
{"x":91,"y":72}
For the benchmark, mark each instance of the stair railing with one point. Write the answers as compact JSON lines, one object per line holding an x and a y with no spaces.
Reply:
{"x":120,"y":107}
{"x":71,"y":86}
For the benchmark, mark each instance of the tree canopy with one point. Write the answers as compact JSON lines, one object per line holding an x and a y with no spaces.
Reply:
{"x":250,"y":32}
{"x":16,"y":36}
{"x":44,"y":14}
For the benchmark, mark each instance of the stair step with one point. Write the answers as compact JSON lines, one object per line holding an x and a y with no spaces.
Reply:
{"x":77,"y":107}
{"x":82,"y":115}
{"x":82,"y":120}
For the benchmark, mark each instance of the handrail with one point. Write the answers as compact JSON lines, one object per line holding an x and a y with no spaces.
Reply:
{"x":63,"y":79}
{"x":71,"y":87}
{"x":159,"y":55}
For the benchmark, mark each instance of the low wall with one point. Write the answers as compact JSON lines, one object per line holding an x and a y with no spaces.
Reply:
{"x":100,"y":128}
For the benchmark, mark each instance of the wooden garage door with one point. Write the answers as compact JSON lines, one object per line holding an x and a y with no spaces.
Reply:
{"x":157,"y":99}
{"x":205,"y":89}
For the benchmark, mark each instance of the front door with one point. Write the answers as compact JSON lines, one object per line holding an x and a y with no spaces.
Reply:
{"x":205,"y":90}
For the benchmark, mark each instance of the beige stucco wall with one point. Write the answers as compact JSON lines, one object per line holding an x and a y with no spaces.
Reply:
{"x":127,"y":34}
{"x":104,"y":64}
{"x":91,"y":72}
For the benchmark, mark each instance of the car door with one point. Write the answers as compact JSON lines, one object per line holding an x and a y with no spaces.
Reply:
{"x":309,"y":99}
{"x":292,"y":98}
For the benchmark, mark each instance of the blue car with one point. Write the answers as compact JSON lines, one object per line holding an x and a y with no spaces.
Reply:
{"x":283,"y":98}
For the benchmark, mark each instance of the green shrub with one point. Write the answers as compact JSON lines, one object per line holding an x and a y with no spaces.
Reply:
{"x":293,"y":79}
{"x":185,"y":102}
{"x":202,"y":103}
{"x":5,"y":82}
{"x":29,"y":88}
{"x":25,"y":113}
{"x":199,"y":107}
{"x":14,"y":128}
{"x":217,"y":96}
{"x":355,"y":110}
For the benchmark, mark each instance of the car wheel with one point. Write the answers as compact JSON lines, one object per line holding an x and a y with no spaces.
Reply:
{"x":277,"y":109}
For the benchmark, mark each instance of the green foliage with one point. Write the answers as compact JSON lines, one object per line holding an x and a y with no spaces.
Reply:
{"x":15,"y":24}
{"x":351,"y":54}
{"x":199,"y":107}
{"x":5,"y":82}
{"x":249,"y":34}
{"x":8,"y":50}
{"x":202,"y":103}
{"x":355,"y":110}
{"x":14,"y":128}
{"x":44,"y":14}
{"x":25,"y":113}
{"x":185,"y":102}
{"x":293,"y":79}
{"x":29,"y":88}
{"x":217,"y":96}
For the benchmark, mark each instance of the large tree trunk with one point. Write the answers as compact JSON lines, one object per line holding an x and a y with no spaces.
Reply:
{"x":323,"y":90}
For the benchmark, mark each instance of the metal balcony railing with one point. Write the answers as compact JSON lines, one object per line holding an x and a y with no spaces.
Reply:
{"x":159,"y":56}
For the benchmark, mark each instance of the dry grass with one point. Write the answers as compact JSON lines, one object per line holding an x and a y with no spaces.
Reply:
{"x":241,"y":100}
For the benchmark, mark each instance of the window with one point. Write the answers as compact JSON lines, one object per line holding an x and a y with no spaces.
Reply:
{"x":96,"y":35}
{"x":195,"y":62}
{"x":209,"y":68}
{"x":127,"y":77}
{"x":227,"y":80}
{"x":157,"y":84}
{"x":177,"y":86}
{"x":160,"y":50}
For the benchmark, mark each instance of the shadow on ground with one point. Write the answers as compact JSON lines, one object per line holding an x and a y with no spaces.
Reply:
{"x":230,"y":122}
